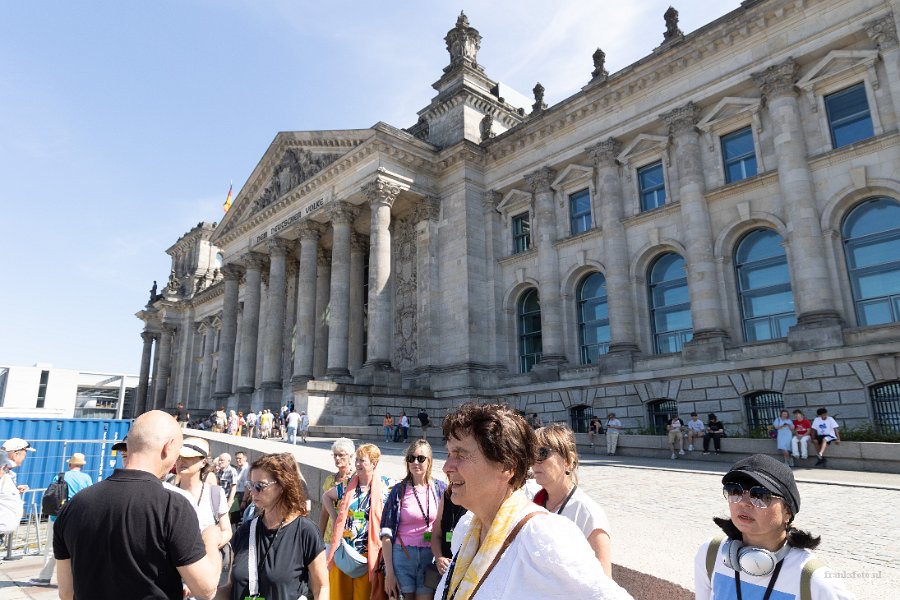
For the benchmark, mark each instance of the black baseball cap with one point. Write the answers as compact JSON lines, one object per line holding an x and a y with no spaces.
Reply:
{"x":767,"y":472}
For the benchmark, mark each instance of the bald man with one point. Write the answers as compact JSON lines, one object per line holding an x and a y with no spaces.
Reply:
{"x":129,"y":537}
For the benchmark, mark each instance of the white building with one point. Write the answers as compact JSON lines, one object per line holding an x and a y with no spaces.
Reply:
{"x":713,"y":228}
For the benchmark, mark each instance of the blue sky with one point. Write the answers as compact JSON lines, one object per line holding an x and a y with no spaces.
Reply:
{"x":123,"y":122}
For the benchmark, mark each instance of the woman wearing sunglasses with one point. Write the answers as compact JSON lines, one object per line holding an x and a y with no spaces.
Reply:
{"x":341,"y":452}
{"x":762,"y":553}
{"x":406,"y":528}
{"x":278,"y":555}
{"x":358,"y":520}
{"x":554,"y":471}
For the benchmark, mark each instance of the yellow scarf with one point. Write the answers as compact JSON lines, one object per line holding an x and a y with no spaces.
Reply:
{"x":476,"y":553}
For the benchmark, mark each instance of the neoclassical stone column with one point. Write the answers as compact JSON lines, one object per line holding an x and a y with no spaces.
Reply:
{"x":342,"y":215}
{"x":228,"y":336}
{"x":274,"y":338}
{"x":381,"y":195}
{"x":427,"y":214}
{"x":140,"y":401}
{"x":209,"y":341}
{"x":165,"y":357}
{"x":622,"y":331}
{"x":356,"y":350}
{"x":254,"y":262}
{"x":323,"y":295}
{"x":809,"y":269}
{"x":883,"y":31}
{"x":305,"y":322}
{"x":703,"y":283}
{"x":151,"y":395}
{"x":290,"y":314}
{"x":548,"y":266}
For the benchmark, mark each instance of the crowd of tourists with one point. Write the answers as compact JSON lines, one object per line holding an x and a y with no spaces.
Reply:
{"x":507,"y":520}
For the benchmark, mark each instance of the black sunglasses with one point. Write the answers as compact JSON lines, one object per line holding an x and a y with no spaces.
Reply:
{"x":420,"y":458}
{"x":259,"y":486}
{"x":544,"y":453}
{"x":760,"y":497}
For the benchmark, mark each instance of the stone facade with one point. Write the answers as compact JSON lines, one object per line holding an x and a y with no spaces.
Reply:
{"x":360,"y":271}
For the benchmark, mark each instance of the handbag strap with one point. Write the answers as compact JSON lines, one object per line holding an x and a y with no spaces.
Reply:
{"x":509,"y":540}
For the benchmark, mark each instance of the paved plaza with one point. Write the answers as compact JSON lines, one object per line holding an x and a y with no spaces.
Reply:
{"x":661,"y":511}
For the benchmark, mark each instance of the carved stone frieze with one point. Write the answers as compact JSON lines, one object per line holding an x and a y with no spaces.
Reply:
{"x":540,"y":180}
{"x":405,"y":279}
{"x":682,"y":119}
{"x":778,"y":80}
{"x":296,"y":165}
{"x":604,"y":153}
{"x":883,"y":31}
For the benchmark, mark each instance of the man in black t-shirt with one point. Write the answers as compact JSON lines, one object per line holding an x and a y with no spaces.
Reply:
{"x":128,"y":536}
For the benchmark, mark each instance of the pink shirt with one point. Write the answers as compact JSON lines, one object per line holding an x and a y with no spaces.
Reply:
{"x":412,"y":526}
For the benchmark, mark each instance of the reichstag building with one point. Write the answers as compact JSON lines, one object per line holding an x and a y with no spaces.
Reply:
{"x":714,"y":228}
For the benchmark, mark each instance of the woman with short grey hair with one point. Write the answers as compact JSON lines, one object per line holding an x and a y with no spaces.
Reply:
{"x":342,"y":451}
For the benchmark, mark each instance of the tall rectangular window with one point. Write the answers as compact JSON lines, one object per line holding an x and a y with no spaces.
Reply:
{"x":42,"y":389}
{"x":848,"y":115}
{"x":521,"y":228}
{"x":739,"y":155}
{"x":580,"y":211}
{"x":652,"y":186}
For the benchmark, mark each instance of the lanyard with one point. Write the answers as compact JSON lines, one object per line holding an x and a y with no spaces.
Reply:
{"x":564,"y":503}
{"x":769,"y":588}
{"x":253,"y":564}
{"x":360,"y":503}
{"x":426,"y":512}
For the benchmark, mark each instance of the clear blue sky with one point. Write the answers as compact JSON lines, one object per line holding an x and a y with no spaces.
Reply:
{"x":122,"y":123}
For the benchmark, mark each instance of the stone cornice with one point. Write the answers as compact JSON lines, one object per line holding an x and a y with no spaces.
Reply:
{"x":202,"y":230}
{"x":209,"y":294}
{"x":506,"y":114}
{"x":464,"y":151}
{"x":748,"y":23}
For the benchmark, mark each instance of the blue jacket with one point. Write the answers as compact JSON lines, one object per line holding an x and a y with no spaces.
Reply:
{"x":390,"y":518}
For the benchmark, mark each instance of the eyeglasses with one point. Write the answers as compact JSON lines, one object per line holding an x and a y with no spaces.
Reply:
{"x":420,"y":458}
{"x":760,"y":497}
{"x":259,"y":486}
{"x":544,"y":453}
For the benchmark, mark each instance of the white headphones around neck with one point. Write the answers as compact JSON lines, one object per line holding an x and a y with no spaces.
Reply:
{"x":752,"y":560}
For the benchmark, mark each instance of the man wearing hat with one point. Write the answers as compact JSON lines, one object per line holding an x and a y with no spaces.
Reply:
{"x":11,"y":508}
{"x":18,"y":450}
{"x":76,"y":480}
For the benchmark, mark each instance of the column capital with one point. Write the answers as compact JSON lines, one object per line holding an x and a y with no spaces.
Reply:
{"x":148,"y":336}
{"x":309,"y":231}
{"x":232,"y":272}
{"x":682,"y":119}
{"x":491,"y":199}
{"x":168,"y":328}
{"x":428,"y":209}
{"x":342,"y":213}
{"x":279,"y":246}
{"x":255,"y":261}
{"x":777,"y":80}
{"x":381,"y":191}
{"x":883,"y":31}
{"x":540,"y":179}
{"x":604,"y":153}
{"x":358,"y":243}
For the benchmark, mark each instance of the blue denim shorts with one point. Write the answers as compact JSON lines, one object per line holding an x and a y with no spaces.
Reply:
{"x":410,"y":572}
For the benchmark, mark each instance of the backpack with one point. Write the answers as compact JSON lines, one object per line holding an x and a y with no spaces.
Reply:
{"x":56,"y":495}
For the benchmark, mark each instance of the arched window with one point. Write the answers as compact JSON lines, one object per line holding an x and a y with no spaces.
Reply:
{"x":529,"y":312}
{"x":886,"y":406}
{"x":871,"y":235}
{"x":670,"y":304}
{"x":219,"y":260}
{"x":762,"y":409}
{"x":764,"y":286}
{"x":659,"y":413}
{"x":593,"y":318}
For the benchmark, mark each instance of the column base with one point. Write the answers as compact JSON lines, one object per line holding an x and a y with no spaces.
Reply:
{"x":298,"y":382}
{"x":708,"y":345}
{"x":245,"y":389}
{"x":619,"y":359}
{"x":547,"y":369}
{"x":378,"y":373}
{"x":816,"y":331}
{"x":338,"y":375}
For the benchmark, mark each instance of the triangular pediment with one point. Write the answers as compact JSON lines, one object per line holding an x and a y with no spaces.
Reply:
{"x":514,"y":199}
{"x":838,"y":63}
{"x":571,"y":175}
{"x":292,"y":159}
{"x":642,"y":145}
{"x":727,"y":110}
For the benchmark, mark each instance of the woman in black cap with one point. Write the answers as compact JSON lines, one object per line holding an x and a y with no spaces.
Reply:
{"x":762,"y":553}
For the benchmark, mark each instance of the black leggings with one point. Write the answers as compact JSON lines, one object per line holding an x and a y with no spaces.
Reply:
{"x":717,"y":440}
